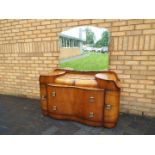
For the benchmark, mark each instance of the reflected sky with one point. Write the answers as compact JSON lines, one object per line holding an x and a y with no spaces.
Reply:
{"x":75,"y":32}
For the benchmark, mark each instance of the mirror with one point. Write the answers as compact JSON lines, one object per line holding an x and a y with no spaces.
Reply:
{"x":84,"y":48}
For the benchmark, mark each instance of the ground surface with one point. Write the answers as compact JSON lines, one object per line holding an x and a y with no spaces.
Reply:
{"x":21,"y":116}
{"x":89,"y":62}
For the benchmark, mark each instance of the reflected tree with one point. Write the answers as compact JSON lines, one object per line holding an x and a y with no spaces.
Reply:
{"x":104,"y":41}
{"x":90,"y":37}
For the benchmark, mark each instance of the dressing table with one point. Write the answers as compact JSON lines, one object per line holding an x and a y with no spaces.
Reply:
{"x":89,"y":97}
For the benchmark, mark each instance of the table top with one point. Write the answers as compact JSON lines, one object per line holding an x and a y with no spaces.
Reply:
{"x":105,"y":76}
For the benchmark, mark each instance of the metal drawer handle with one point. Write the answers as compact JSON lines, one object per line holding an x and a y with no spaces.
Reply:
{"x":53,"y":93}
{"x":91,"y":115}
{"x":108,"y":106}
{"x":91,"y":99}
{"x":43,"y":97}
{"x":54,"y":108}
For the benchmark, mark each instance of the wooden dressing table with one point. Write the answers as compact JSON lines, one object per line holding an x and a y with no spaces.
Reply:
{"x":91,"y":98}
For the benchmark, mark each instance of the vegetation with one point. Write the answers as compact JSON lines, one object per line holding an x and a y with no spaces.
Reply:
{"x":90,"y":36}
{"x":104,"y":41}
{"x":92,"y":62}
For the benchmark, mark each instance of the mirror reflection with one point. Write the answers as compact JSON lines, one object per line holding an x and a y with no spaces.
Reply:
{"x":84,"y":48}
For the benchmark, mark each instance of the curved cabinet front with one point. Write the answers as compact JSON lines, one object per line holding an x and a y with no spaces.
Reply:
{"x":80,"y":103}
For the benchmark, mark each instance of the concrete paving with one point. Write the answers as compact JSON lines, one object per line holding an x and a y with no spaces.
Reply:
{"x":74,"y":58}
{"x":22,"y":116}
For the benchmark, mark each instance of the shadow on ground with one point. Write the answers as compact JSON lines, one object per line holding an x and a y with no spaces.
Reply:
{"x":22,"y":116}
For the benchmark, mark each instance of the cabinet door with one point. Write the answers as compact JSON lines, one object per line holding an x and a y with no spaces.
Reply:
{"x":90,"y":104}
{"x":111,"y":111}
{"x":61,"y":100}
{"x":43,"y":97}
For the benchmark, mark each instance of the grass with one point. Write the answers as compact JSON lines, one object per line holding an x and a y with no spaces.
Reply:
{"x":93,"y":62}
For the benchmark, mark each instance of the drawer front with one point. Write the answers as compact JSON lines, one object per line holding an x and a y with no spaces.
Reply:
{"x":60,"y":100}
{"x":90,"y":104}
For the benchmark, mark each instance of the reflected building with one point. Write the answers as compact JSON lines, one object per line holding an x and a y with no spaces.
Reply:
{"x":70,"y":46}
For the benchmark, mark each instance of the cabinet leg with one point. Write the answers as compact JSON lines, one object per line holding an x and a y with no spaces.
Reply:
{"x":45,"y":113}
{"x":109,"y":125}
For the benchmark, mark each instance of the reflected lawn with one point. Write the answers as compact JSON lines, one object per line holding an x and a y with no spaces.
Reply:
{"x":92,"y":62}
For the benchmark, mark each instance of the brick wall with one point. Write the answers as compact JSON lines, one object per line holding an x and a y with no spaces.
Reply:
{"x":30,"y":47}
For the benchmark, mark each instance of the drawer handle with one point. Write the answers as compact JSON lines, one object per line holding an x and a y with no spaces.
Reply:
{"x":54,"y":108}
{"x":91,"y":115}
{"x":43,"y":97}
{"x":53,"y":93}
{"x":91,"y":99}
{"x":108,"y":106}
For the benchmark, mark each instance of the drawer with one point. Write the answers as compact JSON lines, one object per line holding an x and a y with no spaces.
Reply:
{"x":60,"y":100}
{"x":90,"y":104}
